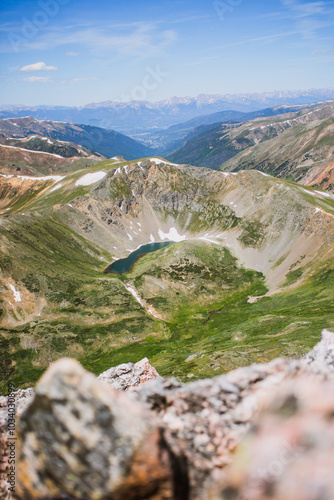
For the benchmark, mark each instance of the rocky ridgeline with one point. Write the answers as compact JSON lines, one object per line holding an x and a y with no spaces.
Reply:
{"x":258,"y":433}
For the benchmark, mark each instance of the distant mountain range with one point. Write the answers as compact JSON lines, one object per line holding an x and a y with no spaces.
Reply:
{"x":135,"y":116}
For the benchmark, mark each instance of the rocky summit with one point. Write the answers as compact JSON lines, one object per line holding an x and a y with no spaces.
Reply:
{"x":254,"y":433}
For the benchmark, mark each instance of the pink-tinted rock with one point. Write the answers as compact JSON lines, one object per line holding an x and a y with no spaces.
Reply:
{"x":289,"y":453}
{"x":128,"y":375}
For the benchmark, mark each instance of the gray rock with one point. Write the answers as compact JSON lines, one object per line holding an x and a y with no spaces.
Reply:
{"x":129,"y":375}
{"x":79,"y":438}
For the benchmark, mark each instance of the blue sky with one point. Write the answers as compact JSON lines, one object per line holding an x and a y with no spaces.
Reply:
{"x":75,"y":52}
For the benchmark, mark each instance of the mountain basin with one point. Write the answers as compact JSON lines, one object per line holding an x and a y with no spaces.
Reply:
{"x":125,"y":265}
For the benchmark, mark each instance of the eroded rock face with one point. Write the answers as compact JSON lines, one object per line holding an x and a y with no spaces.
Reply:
{"x":81,"y":439}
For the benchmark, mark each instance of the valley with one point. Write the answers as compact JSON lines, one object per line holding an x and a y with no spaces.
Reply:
{"x":249,"y":277}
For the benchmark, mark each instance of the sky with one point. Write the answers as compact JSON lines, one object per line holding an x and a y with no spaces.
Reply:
{"x":76,"y":52}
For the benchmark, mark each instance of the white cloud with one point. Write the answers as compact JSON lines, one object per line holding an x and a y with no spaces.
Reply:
{"x":73,"y":54}
{"x":40,"y":66}
{"x":37,"y":79}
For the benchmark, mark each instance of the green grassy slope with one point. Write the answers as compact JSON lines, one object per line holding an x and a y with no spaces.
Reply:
{"x":55,"y":245}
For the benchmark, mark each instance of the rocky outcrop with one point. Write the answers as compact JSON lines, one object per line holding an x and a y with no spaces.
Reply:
{"x":128,"y":375}
{"x":81,"y":439}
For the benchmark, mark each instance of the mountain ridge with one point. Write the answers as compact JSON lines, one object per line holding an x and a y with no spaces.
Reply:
{"x":129,"y":116}
{"x":105,"y":142}
{"x":296,"y":146}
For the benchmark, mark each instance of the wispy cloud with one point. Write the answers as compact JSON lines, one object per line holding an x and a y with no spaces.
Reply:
{"x":72,"y":54}
{"x":310,"y":17}
{"x":259,"y":39}
{"x":145,"y":40}
{"x":323,"y":53}
{"x":39,"y":66}
{"x":82,"y":79}
{"x":37,"y":79}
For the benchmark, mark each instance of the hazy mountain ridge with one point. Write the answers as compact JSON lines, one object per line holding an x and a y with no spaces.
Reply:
{"x":141,"y":115}
{"x":173,"y":137}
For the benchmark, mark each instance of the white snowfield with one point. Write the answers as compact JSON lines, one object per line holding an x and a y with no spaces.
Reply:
{"x":17,"y":295}
{"x":30,"y":151}
{"x":89,"y":179}
{"x":172,"y":235}
{"x":56,"y":178}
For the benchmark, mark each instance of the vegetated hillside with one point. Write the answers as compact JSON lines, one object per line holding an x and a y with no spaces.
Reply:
{"x":105,"y":142}
{"x":250,"y":276}
{"x":173,"y":137}
{"x":37,"y":155}
{"x":296,"y":146}
{"x":129,"y":117}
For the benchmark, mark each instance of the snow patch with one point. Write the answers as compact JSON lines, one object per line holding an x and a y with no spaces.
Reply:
{"x":135,"y":294}
{"x":30,"y":151}
{"x":17,"y":295}
{"x":172,"y":235}
{"x":158,"y":161}
{"x":152,"y":238}
{"x":130,"y":237}
{"x":89,"y":179}
{"x":327,"y":195}
{"x":56,"y":178}
{"x":56,"y":187}
{"x":308,"y":192}
{"x":209,"y":240}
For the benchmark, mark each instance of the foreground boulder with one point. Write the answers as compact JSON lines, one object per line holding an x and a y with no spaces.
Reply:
{"x":80,"y":439}
{"x":289,"y":453}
